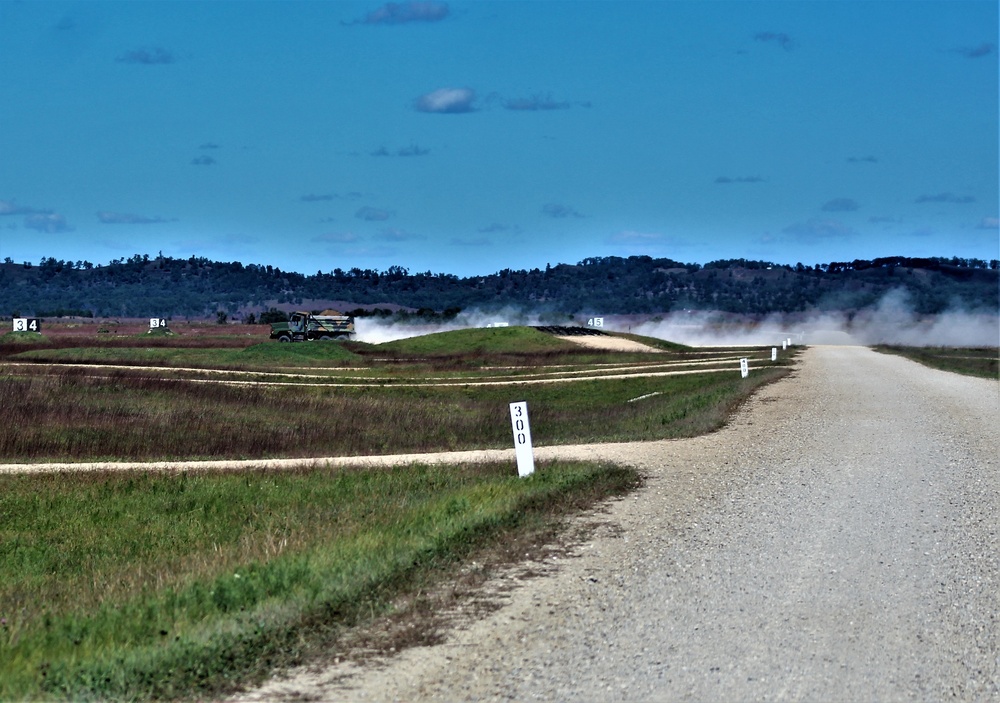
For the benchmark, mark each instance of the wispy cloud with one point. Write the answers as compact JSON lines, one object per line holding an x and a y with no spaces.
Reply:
{"x":127,"y":218}
{"x":222,"y":243}
{"x":633,"y":241}
{"x":471,"y":241}
{"x":147,"y":56}
{"x":394,"y":234}
{"x":780,"y":38}
{"x":317,"y":197}
{"x":632,"y":237}
{"x":447,"y":101}
{"x":372,"y":214}
{"x":10,"y":207}
{"x":364,"y":252}
{"x":977,"y":52}
{"x":203,"y":160}
{"x":535,"y":102}
{"x":405,"y":12}
{"x":412,"y":150}
{"x":49,"y":223}
{"x":497,"y":227}
{"x":862,"y":160}
{"x":840,"y":205}
{"x":945,"y":198}
{"x":723,"y":180}
{"x":819,"y":229}
{"x":337,"y":238}
{"x":988,"y":223}
{"x":208,"y":145}
{"x":559,"y":211}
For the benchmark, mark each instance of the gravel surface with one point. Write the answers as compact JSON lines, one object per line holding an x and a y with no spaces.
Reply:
{"x":838,"y":541}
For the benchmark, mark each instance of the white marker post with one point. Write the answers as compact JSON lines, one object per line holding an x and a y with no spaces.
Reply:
{"x":774,"y":353}
{"x":522,"y":438}
{"x":784,"y":344}
{"x":744,"y":368}
{"x":789,"y":341}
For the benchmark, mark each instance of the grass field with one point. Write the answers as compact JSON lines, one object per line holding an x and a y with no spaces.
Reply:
{"x":143,"y":585}
{"x":165,"y":585}
{"x":971,"y":361}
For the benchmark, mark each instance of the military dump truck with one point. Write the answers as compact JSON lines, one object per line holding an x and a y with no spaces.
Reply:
{"x":304,"y":327}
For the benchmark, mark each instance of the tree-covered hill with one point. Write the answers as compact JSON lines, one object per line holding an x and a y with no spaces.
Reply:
{"x":197,"y":287}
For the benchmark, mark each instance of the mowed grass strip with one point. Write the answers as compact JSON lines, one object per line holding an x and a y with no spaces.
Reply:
{"x":75,"y":417}
{"x":971,"y":361}
{"x":263,"y":355}
{"x":150,"y":586}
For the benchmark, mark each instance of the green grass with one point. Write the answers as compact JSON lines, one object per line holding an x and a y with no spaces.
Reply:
{"x":71,"y":416}
{"x":502,"y":340}
{"x":142,"y":586}
{"x":297,"y":354}
{"x":265,"y":355}
{"x":970,"y":361}
{"x":24,"y":338}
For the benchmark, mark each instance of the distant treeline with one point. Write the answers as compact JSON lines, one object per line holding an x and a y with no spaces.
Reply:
{"x":197,"y":287}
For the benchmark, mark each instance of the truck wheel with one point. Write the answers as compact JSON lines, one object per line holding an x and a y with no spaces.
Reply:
{"x":325,"y":338}
{"x":284,"y":338}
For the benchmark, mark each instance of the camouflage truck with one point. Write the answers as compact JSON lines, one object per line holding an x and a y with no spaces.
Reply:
{"x":305,"y":327}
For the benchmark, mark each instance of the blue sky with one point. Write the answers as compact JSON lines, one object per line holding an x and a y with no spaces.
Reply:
{"x":467,"y":137}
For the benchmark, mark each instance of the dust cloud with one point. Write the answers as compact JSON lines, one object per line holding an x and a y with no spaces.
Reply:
{"x":890,"y":321}
{"x":376,"y":330}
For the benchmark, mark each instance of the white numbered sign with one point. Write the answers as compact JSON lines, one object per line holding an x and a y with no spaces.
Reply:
{"x":522,"y":438}
{"x":27,"y":324}
{"x":784,"y":344}
{"x":774,"y":353}
{"x":157,"y":322}
{"x":595,"y":322}
{"x":744,"y":368}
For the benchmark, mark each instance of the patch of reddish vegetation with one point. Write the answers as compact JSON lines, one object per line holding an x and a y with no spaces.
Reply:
{"x":135,"y":333}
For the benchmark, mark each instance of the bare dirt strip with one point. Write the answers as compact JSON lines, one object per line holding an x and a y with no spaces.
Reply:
{"x":837,"y":541}
{"x":612,"y":343}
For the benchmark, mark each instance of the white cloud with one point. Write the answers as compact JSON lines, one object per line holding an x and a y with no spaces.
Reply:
{"x":447,"y":101}
{"x":50,"y":223}
{"x":372,"y":214}
{"x":125,"y":218}
{"x":633,"y":237}
{"x":819,"y":229}
{"x":337,"y":238}
{"x":404,"y":12}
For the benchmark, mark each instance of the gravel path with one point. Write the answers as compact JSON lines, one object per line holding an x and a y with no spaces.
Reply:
{"x":838,"y":541}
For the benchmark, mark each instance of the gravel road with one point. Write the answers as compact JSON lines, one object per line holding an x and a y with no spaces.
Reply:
{"x":838,"y":541}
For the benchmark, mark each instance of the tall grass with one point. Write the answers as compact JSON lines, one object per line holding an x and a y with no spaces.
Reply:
{"x":75,"y":417}
{"x":159,"y":585}
{"x":970,"y":361}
